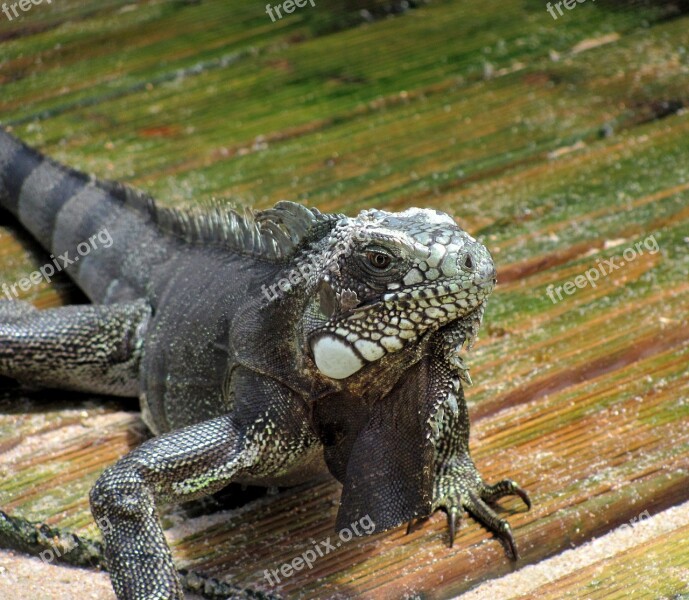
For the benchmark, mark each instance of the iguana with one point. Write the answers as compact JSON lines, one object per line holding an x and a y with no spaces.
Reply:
{"x":265,"y":347}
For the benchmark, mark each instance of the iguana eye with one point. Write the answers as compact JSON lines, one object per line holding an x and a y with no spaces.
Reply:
{"x":378,"y":260}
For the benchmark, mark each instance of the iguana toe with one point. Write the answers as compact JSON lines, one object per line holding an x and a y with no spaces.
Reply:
{"x":506,"y":487}
{"x":460,"y":488}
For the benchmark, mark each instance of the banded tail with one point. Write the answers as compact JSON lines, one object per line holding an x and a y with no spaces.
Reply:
{"x":67,"y":210}
{"x":64,"y":209}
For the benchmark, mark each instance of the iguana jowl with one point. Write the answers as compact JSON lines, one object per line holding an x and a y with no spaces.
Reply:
{"x":354,"y":366}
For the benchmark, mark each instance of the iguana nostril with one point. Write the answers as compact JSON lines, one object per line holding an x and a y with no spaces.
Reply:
{"x":468,"y":263}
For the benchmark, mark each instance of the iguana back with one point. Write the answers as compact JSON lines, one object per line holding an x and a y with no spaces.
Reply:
{"x":194,"y":269}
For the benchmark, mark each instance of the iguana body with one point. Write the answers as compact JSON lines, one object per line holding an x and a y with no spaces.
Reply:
{"x":352,"y":367}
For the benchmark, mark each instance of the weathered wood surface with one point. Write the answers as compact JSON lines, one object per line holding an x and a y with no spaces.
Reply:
{"x":560,"y":143}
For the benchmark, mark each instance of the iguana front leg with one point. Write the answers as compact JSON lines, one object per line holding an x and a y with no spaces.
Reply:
{"x":458,"y":485}
{"x":267,"y":437}
{"x":180,"y":465}
{"x":89,"y":348}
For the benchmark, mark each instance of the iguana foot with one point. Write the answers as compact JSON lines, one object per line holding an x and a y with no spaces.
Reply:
{"x":459,"y":487}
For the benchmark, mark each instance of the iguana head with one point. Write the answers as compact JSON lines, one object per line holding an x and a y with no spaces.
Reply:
{"x":385,"y":279}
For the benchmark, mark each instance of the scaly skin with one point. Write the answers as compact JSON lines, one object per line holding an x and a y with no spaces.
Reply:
{"x":264,"y":348}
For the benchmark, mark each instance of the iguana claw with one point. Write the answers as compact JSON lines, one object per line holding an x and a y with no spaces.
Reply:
{"x":452,"y":523}
{"x":461,"y":488}
{"x":412,"y":525}
{"x":478,"y":508}
{"x":506,"y":487}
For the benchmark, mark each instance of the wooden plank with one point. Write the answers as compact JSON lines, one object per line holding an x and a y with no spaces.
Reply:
{"x":645,"y":558}
{"x":490,"y":112}
{"x":657,"y":568}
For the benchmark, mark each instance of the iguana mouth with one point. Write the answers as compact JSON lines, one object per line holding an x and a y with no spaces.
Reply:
{"x":415,"y":301}
{"x":443,"y":295}
{"x":427,"y":293}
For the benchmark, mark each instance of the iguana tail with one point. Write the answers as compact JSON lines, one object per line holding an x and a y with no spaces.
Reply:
{"x":49,"y":543}
{"x":88,"y":225}
{"x":54,"y":545}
